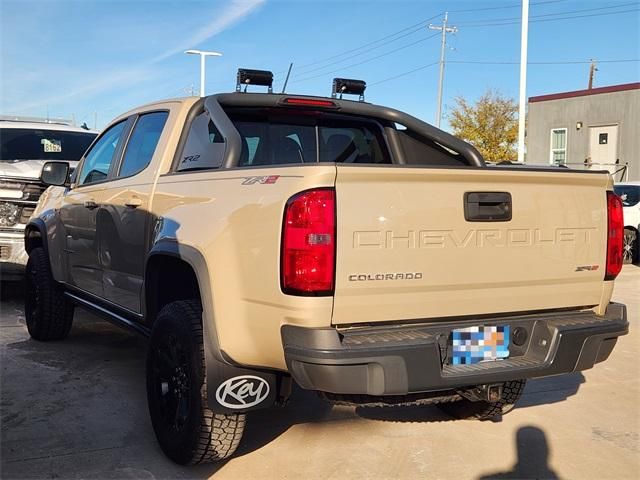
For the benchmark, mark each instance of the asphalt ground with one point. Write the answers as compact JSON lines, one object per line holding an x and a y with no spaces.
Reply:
{"x":77,"y":409}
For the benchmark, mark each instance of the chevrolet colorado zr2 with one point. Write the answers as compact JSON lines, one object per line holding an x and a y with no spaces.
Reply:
{"x":259,"y":239}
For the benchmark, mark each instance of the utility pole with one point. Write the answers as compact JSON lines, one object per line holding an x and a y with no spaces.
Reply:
{"x":444,"y":29}
{"x":592,"y":72}
{"x":522,"y":111}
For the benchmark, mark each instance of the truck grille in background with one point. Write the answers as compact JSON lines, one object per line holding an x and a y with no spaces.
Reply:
{"x":32,"y":191}
{"x":26,"y":214}
{"x":5,"y":252}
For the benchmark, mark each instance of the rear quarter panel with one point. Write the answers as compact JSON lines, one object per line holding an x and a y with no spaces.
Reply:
{"x":235,"y":222}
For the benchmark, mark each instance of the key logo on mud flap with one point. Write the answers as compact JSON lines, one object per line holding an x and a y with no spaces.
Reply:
{"x":242,"y":392}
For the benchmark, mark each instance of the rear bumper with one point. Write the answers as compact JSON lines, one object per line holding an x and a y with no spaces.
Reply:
{"x":392,"y":360}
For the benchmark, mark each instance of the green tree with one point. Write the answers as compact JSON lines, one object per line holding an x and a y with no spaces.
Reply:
{"x":490,"y":125}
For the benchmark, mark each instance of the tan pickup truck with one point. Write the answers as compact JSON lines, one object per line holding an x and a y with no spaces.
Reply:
{"x":261,"y":238}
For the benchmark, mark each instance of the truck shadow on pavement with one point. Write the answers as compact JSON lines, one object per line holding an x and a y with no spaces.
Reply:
{"x":533,"y":457}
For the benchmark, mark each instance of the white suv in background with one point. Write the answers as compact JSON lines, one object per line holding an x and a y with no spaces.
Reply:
{"x":630,"y":194}
{"x":25,"y":146}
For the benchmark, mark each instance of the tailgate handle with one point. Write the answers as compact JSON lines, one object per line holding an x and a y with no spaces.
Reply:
{"x":487,"y":206}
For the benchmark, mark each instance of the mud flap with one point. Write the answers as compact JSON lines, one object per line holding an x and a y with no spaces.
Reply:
{"x":236,"y":390}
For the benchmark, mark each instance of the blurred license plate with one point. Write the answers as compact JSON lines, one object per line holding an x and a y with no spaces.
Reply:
{"x":479,"y":344}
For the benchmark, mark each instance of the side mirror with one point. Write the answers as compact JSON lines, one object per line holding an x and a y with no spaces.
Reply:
{"x":55,"y":173}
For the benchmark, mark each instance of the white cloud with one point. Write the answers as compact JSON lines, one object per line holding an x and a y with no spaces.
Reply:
{"x":228,"y":17}
{"x":88,"y":83}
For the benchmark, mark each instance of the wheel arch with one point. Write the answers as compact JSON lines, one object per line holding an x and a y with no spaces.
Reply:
{"x":173,"y":272}
{"x":35,"y":235}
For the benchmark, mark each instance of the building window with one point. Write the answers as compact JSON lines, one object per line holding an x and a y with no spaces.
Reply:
{"x":558,"y":151}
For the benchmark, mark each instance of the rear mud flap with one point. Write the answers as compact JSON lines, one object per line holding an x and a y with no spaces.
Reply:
{"x":235,"y":390}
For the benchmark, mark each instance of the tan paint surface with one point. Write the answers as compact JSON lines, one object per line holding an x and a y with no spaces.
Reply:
{"x":411,"y":220}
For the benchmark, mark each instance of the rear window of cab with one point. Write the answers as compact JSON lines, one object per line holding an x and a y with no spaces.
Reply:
{"x":284,"y":139}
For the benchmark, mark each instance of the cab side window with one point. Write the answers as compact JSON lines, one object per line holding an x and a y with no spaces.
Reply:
{"x":142,"y":143}
{"x":204,"y":147}
{"x":98,"y":160}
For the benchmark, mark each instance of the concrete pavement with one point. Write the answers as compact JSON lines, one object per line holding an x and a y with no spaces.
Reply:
{"x":77,"y":409}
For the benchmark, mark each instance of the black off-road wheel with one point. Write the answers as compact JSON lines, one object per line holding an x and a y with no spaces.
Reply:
{"x":189,"y":433}
{"x":481,"y":410}
{"x":49,"y":314}
{"x":630,"y":253}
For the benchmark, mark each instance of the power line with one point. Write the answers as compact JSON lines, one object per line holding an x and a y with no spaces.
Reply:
{"x":414,"y":28}
{"x":496,"y":24}
{"x":367,"y":60}
{"x":410,"y":30}
{"x":608,"y":7}
{"x":503,"y":7}
{"x":421,"y":27}
{"x":568,"y":62}
{"x":403,"y":74}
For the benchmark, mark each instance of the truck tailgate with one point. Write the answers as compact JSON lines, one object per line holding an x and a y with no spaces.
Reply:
{"x":405,"y":250}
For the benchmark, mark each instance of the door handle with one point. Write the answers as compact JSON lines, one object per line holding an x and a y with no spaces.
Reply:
{"x":90,"y":204}
{"x":133,"y":202}
{"x":487,"y":206}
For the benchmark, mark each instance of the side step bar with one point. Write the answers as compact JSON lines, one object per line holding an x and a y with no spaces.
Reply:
{"x":116,"y":319}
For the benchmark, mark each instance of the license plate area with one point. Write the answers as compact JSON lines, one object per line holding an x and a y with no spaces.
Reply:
{"x":483,"y":343}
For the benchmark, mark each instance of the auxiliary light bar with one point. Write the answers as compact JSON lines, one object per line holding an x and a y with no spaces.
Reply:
{"x":248,"y":77}
{"x":348,"y":86}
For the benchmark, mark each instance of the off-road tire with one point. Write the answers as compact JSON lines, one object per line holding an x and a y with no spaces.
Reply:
{"x":481,"y":410}
{"x":190,"y":433}
{"x":48,"y":313}
{"x":631,"y":246}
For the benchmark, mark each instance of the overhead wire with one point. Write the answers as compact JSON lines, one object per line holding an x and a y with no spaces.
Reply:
{"x":413,"y":28}
{"x":565,"y":62}
{"x":368,"y":59}
{"x":555,"y":17}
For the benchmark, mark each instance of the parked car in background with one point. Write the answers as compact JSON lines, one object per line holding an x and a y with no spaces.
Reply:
{"x":630,"y":194}
{"x":25,"y":145}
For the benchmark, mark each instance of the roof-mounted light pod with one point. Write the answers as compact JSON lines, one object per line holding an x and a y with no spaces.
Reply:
{"x":248,"y":77}
{"x":348,"y":86}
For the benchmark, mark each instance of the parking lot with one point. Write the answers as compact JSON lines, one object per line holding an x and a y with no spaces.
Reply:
{"x":77,"y":409}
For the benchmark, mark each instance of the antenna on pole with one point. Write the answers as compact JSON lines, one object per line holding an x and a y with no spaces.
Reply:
{"x":444,"y":29}
{"x":286,"y":80}
{"x":592,"y":73}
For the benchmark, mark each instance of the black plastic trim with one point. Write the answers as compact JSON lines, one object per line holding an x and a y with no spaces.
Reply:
{"x":39,"y":225}
{"x":405,"y":359}
{"x":109,"y":313}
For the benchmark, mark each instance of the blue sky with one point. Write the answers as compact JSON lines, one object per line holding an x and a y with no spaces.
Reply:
{"x":82,"y":58}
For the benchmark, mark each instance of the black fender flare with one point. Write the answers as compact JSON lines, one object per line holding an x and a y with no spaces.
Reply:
{"x":224,"y":379}
{"x":38,"y":225}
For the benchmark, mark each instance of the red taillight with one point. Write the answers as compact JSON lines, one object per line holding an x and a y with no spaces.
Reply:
{"x":309,"y":102}
{"x":615,"y":233}
{"x":308,"y":243}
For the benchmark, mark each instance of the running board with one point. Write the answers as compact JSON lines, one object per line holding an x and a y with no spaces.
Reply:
{"x":110,"y":316}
